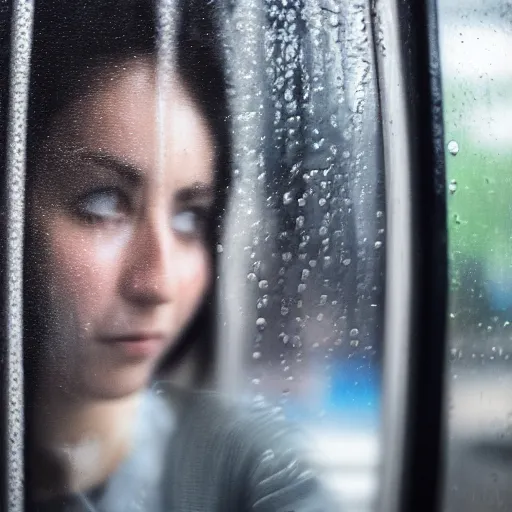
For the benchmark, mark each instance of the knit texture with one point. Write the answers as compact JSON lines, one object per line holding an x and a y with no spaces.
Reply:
{"x":201,"y":453}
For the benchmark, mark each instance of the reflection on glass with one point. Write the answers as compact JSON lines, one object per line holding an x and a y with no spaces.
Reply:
{"x":137,"y":149}
{"x":476,"y":56}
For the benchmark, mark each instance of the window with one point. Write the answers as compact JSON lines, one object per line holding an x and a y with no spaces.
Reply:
{"x":199,"y":176}
{"x":250,"y":198}
{"x":477,"y":102}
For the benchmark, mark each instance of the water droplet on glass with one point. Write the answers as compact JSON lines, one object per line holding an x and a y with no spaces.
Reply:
{"x":287,"y":198}
{"x":378,"y":244}
{"x":322,"y":231}
{"x":263,"y":284}
{"x":380,"y":214}
{"x":322,"y":201}
{"x":354,"y":343}
{"x":453,"y":147}
{"x":301,"y":288}
{"x":319,"y":144}
{"x":261,"y":323}
{"x":347,"y":262}
{"x":262,"y":303}
{"x":354,"y":332}
{"x":300,"y":221}
{"x":305,"y":274}
{"x":287,"y":256}
{"x":302,"y":202}
{"x":252,"y":277}
{"x":256,"y":381}
{"x":220,"y":248}
{"x":284,"y":338}
{"x":256,"y":355}
{"x":452,"y":187}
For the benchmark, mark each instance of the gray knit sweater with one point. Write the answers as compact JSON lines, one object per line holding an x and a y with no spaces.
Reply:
{"x":196,"y":452}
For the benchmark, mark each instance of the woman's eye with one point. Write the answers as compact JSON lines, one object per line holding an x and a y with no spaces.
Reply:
{"x":107,"y":205}
{"x":189,"y":222}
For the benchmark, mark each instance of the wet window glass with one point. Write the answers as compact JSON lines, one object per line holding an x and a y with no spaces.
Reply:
{"x":476,"y":57}
{"x":204,"y":241}
{"x":312,"y":236}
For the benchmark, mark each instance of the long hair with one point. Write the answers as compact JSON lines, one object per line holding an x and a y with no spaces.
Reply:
{"x":72,"y":41}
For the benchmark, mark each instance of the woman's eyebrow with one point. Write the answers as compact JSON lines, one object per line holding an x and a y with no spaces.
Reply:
{"x":195,"y":191}
{"x":127,"y":172}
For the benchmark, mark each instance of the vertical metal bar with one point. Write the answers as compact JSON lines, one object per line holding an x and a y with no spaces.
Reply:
{"x":414,"y":351}
{"x":399,"y":272}
{"x":22,"y":22}
{"x":167,"y":16}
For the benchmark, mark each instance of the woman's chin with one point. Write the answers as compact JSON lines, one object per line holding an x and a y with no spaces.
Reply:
{"x":116,"y":384}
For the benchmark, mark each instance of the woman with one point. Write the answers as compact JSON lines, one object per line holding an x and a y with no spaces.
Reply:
{"x":127,"y":178}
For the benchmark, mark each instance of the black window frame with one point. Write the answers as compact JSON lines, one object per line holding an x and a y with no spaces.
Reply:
{"x":413,"y":438}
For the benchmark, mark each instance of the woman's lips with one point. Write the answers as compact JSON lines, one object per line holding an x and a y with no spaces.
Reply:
{"x":136,"y":345}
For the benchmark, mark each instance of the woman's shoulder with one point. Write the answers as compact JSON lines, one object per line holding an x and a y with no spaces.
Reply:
{"x":209,"y":414}
{"x":246,"y":455}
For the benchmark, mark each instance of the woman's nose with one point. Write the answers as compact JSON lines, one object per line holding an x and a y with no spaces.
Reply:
{"x":147,"y":277}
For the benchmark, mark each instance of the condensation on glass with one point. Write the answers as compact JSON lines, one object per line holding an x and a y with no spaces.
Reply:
{"x":476,"y":57}
{"x":300,"y":280}
{"x":312,"y":203}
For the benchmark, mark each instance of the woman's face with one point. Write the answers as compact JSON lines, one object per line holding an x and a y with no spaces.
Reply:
{"x":117,"y":211}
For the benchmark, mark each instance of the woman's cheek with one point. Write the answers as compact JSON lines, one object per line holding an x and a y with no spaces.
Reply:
{"x":87,"y":263}
{"x":109,"y":248}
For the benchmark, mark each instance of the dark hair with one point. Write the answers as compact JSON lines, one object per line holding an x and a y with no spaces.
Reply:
{"x":73,"y":42}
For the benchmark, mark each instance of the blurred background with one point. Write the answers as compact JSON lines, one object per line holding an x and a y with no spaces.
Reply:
{"x":476,"y":57}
